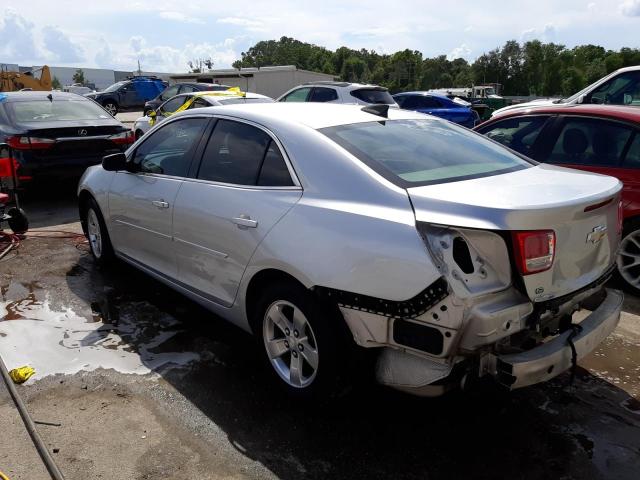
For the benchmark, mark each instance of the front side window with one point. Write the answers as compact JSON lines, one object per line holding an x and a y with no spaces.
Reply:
{"x":590,"y":141}
{"x":169,"y":150}
{"x":323,"y":94}
{"x":632,"y":159}
{"x":299,"y":95}
{"x":114,"y":87}
{"x":421,"y":152}
{"x":199,"y":103}
{"x":518,"y":134}
{"x":187,"y":89}
{"x":621,"y":90}
{"x":169,"y":92}
{"x":373,"y":95}
{"x":242,"y":154}
{"x":172,"y":105}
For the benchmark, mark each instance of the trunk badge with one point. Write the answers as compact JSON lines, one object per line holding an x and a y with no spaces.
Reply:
{"x":82,"y":132}
{"x":597,"y":234}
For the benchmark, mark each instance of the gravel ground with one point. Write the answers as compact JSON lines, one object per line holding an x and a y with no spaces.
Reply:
{"x":145,"y":384}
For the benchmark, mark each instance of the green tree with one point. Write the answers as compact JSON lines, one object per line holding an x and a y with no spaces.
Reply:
{"x":78,"y":77}
{"x":55,"y":84}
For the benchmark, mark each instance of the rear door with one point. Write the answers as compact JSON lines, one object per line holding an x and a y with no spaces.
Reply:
{"x":141,"y":204}
{"x":243,"y":186}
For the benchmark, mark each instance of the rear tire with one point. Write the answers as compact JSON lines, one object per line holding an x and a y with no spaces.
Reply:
{"x":300,"y":343}
{"x":629,"y":256}
{"x":111,"y":107}
{"x":98,"y":236}
{"x":18,"y":222}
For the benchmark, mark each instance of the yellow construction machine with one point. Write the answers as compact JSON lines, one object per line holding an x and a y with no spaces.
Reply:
{"x":15,"y":81}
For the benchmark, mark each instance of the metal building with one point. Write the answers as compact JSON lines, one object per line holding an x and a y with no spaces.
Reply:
{"x":270,"y":81}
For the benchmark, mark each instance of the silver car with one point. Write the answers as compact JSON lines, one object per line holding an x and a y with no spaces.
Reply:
{"x":326,"y":230}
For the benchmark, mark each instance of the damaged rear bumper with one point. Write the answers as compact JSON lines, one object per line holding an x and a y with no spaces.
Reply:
{"x":554,"y":357}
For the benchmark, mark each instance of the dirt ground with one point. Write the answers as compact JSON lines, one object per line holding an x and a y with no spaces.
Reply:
{"x":144,"y":384}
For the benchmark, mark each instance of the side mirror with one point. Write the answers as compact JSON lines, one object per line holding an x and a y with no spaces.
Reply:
{"x":581,"y":99}
{"x":5,"y":151}
{"x":115,"y":162}
{"x":152,"y":114}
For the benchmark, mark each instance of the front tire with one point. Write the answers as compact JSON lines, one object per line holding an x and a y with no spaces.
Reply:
{"x":98,"y":236}
{"x":111,"y":107}
{"x":299,"y":340}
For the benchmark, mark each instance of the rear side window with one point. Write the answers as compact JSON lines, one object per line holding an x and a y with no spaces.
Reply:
{"x":419,"y":101}
{"x":373,"y":95}
{"x":421,"y":152}
{"x":323,"y":94}
{"x":55,"y":110}
{"x":590,"y":141}
{"x":199,"y":103}
{"x":299,"y":95}
{"x":241,"y":154}
{"x":169,"y":150}
{"x":519,"y":134}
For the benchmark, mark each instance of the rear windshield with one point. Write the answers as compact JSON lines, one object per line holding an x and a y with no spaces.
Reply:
{"x":231,"y":101}
{"x":373,"y":95}
{"x":55,"y":110}
{"x":411,"y":153}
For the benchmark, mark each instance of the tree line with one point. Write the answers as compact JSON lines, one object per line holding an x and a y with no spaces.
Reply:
{"x":529,"y":68}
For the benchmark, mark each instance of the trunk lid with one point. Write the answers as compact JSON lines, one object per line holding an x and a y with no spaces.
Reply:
{"x":539,"y":198}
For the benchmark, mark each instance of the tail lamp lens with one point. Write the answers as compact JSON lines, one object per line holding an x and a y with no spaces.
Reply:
{"x":534,"y":251}
{"x":19,"y":142}
{"x":124,"y":138}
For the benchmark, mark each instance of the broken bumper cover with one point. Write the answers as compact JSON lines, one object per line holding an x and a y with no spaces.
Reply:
{"x":554,"y":357}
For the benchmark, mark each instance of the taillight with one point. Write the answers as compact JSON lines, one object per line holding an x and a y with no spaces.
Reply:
{"x":19,"y":142}
{"x":534,"y":250}
{"x":620,"y":217}
{"x":124,"y":138}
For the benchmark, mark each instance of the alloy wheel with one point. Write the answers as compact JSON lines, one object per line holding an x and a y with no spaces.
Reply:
{"x":93,"y":229}
{"x":111,"y":108}
{"x":629,"y":259}
{"x":290,"y":344}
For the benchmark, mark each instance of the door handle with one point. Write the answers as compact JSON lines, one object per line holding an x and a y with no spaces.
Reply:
{"x":160,"y":204}
{"x":244,"y":221}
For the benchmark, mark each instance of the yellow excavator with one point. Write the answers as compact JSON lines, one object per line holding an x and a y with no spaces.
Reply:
{"x":15,"y":81}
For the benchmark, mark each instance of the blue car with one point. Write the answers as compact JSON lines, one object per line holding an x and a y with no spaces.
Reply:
{"x":130,"y":94}
{"x":438,"y":105}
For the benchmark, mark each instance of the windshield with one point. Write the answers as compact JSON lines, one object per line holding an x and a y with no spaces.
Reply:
{"x":114,"y":87}
{"x":231,"y":101}
{"x":411,"y":153}
{"x":584,"y":91}
{"x":56,"y":110}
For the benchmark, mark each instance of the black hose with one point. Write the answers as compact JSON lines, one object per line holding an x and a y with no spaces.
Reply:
{"x":52,"y":468}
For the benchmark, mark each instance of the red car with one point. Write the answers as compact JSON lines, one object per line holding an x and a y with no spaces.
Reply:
{"x":598,"y":138}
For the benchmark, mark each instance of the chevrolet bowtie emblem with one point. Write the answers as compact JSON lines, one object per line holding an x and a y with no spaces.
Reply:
{"x":597,"y":234}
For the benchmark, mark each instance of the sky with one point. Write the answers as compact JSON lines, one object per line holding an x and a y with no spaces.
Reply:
{"x":165,"y":35}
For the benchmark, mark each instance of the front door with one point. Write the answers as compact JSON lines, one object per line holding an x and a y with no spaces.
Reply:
{"x":141,"y":204}
{"x":243,"y":187}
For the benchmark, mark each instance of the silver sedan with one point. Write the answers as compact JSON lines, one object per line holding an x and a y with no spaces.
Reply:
{"x":328,"y":230}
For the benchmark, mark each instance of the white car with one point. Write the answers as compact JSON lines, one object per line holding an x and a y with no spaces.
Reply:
{"x":621,"y":87}
{"x":191,"y":100}
{"x":320,"y":228}
{"x":339,"y":92}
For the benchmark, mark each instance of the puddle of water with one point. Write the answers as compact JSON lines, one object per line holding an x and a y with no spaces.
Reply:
{"x":128,"y":338}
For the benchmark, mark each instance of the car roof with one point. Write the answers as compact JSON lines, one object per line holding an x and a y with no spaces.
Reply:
{"x":313,"y":115}
{"x":424,"y":94}
{"x":620,"y":112}
{"x":38,"y":95}
{"x":221,"y":94}
{"x":354,"y":86}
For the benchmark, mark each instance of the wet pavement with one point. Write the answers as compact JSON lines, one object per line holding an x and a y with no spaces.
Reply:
{"x":147,"y":384}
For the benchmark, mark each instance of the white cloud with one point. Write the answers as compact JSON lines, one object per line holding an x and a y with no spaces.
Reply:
{"x":630,"y":8}
{"x":249,"y":24}
{"x":16,"y":38}
{"x":180,"y":17}
{"x":63,"y":49}
{"x":462,"y":51}
{"x":545,"y":34}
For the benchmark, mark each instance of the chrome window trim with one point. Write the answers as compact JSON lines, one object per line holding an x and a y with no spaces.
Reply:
{"x":292,"y":172}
